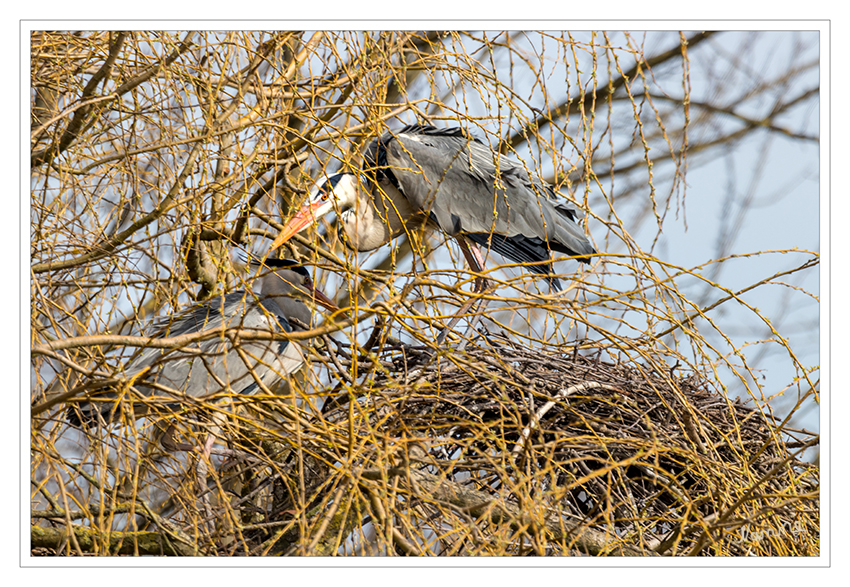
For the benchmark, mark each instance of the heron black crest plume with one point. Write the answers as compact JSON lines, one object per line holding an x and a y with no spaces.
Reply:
{"x":273,"y":263}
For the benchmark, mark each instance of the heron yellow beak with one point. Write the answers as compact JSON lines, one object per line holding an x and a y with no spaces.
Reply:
{"x":306,"y":216}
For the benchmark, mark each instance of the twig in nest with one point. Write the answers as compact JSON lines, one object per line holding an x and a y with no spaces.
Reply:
{"x":535,"y":419}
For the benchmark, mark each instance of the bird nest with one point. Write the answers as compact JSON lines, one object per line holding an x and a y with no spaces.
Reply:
{"x":597,"y":456}
{"x":497,"y":449}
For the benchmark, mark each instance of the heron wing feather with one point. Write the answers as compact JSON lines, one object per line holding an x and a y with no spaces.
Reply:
{"x":212,"y":365}
{"x":457,"y":180}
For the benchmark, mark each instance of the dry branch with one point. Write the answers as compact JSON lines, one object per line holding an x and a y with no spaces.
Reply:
{"x":593,"y":422}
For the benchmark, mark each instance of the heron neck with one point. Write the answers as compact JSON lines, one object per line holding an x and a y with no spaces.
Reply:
{"x":376,"y":218}
{"x":364,"y":229}
{"x":287,"y":298}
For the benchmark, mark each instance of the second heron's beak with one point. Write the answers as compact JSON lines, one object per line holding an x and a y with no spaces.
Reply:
{"x":317,"y":206}
{"x":321,"y":298}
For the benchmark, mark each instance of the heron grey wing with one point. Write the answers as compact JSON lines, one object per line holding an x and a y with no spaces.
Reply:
{"x":202,"y":316}
{"x":222,"y":367}
{"x":208,"y":366}
{"x":462,"y":194}
{"x":559,"y":225}
{"x":477,"y":157}
{"x":213,"y":365}
{"x":423,"y":168}
{"x":456,"y":181}
{"x":198,"y":318}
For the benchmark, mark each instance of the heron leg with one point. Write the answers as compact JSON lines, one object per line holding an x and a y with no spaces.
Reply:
{"x":208,"y":445}
{"x":203,"y":467}
{"x":476,"y":262}
{"x":204,"y":461}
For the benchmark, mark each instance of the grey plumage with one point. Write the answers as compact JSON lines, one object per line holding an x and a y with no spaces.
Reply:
{"x":214,"y":365}
{"x":493,"y":203}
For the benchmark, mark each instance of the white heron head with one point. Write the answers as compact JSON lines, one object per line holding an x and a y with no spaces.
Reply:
{"x":336,"y":192}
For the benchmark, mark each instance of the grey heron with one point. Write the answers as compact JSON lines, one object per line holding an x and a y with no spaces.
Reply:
{"x":215,"y":365}
{"x":447,"y":179}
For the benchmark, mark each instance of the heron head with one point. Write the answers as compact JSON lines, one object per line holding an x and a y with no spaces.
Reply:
{"x":335,"y":192}
{"x":289,"y":279}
